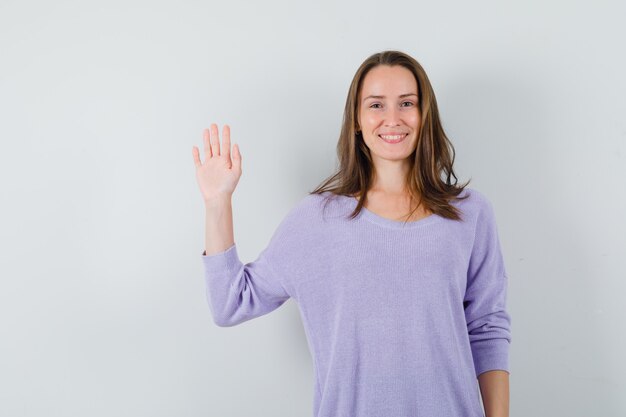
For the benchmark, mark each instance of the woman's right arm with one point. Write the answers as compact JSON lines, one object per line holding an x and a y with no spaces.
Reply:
{"x":235,"y":292}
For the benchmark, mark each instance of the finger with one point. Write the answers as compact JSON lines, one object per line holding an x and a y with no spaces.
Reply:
{"x":236,"y":158}
{"x":225,"y":149}
{"x":215,"y":140}
{"x":196,"y":157}
{"x":207,"y":144}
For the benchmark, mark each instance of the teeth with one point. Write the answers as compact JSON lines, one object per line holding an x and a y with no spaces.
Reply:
{"x":391,"y":137}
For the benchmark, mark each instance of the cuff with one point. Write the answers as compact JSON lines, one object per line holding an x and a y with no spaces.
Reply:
{"x":227,"y":259}
{"x":490,"y":354}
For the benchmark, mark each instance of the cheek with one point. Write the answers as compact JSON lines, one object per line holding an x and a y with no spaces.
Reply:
{"x":413,"y":118}
{"x":417,"y":119}
{"x":370,"y":120}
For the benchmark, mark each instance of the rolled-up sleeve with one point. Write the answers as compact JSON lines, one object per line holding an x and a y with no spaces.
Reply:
{"x":488,"y":322}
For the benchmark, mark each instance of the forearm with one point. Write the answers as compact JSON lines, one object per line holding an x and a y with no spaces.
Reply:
{"x":494,"y":388}
{"x":219,"y":224}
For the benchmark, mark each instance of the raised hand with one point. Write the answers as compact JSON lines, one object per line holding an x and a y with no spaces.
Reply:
{"x":219,"y":174}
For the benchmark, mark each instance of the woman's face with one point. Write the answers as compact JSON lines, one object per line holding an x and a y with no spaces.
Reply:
{"x":389,"y":116}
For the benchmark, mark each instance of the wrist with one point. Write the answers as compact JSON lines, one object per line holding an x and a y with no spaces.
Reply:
{"x":218,"y":199}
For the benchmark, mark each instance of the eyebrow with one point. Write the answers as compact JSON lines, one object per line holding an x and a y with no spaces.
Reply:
{"x":401,"y":96}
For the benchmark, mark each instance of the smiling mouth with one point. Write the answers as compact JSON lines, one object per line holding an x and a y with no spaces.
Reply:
{"x":393,"y":138}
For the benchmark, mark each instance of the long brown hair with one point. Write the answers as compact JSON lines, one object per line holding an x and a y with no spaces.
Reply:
{"x":433,"y":156}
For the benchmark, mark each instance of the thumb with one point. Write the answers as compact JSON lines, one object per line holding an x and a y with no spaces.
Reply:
{"x":236,"y":158}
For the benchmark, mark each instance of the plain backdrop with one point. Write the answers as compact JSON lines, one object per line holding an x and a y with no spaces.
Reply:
{"x":102,"y":298}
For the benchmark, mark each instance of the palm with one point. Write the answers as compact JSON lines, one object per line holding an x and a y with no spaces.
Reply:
{"x":219,"y":174}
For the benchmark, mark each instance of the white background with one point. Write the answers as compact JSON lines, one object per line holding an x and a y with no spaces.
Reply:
{"x":102,"y":303}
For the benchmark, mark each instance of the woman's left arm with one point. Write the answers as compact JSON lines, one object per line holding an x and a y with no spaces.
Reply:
{"x":488,"y":321}
{"x":494,"y":388}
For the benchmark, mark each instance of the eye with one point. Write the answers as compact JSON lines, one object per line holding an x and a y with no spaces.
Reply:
{"x":375,"y":104}
{"x":410,"y":103}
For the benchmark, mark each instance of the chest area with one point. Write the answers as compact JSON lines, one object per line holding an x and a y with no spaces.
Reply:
{"x":377,"y":269}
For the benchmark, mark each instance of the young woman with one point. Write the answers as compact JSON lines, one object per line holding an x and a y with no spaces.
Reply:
{"x":397,"y":271}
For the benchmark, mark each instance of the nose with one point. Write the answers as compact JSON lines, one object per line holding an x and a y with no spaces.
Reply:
{"x":392,"y":117}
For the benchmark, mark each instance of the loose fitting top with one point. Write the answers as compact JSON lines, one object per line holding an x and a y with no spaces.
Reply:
{"x":400,"y":318}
